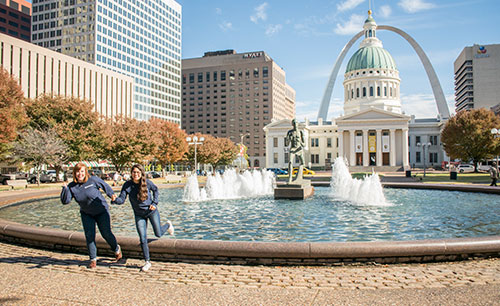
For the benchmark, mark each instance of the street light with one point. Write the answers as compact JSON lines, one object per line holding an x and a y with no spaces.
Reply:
{"x":195,"y":141}
{"x":496,"y":134}
{"x":241,"y":148}
{"x":423,"y":145}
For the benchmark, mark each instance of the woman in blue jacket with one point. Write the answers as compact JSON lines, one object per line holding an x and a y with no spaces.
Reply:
{"x":93,"y":209}
{"x":143,"y":196}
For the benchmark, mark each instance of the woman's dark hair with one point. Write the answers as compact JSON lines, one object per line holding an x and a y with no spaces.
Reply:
{"x":143,"y":189}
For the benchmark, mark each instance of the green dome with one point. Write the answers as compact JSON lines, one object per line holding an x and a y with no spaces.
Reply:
{"x":371,"y":57}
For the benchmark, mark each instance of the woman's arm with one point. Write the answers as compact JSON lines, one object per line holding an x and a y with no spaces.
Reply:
{"x":66,"y":195}
{"x":154,"y":192}
{"x":104,"y":186}
{"x":123,"y":195}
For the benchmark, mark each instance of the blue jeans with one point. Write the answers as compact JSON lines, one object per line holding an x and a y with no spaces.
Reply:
{"x":141,"y":223}
{"x":103,"y":221}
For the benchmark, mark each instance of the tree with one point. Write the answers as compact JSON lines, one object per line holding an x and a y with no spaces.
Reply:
{"x":73,"y":119}
{"x":127,"y":141}
{"x":39,"y":147}
{"x":228,"y":151}
{"x":12,"y":114}
{"x":214,"y":151}
{"x":169,"y":141}
{"x":467,"y":135}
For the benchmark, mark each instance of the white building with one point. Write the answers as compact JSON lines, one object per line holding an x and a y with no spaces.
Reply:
{"x":141,"y":39}
{"x":373,"y":133}
{"x":42,"y":71}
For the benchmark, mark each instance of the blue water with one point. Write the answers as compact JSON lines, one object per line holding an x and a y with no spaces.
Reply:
{"x":413,"y":214}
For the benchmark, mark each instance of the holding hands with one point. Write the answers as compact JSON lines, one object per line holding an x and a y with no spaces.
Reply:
{"x":113,"y":197}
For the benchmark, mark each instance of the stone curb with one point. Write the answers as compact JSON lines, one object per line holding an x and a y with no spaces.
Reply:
{"x":272,"y":252}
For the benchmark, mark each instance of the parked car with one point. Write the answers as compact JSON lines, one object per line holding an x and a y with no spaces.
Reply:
{"x":305,"y":171}
{"x":46,"y":176}
{"x":5,"y":177}
{"x":153,"y":174}
{"x":278,"y":171}
{"x":465,"y":168}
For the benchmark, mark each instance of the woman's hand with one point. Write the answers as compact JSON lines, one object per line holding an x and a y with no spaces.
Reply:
{"x":152,"y":207}
{"x":113,"y":197}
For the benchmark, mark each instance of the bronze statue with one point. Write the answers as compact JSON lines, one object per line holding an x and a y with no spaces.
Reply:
{"x":296,"y":139}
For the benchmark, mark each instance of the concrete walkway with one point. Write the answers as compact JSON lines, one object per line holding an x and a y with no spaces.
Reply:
{"x":40,"y":277}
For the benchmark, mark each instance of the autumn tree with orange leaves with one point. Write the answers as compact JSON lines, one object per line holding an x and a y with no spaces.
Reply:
{"x":214,"y":151}
{"x":169,"y":141}
{"x":12,"y":115}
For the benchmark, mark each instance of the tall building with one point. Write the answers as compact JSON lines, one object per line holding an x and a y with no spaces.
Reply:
{"x":477,"y":77}
{"x":234,"y":95}
{"x":43,"y":71}
{"x":15,"y":18}
{"x":141,"y":39}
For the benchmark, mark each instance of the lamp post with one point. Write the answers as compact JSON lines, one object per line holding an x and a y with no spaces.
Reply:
{"x":241,"y":142}
{"x":496,"y":134}
{"x":423,"y":145}
{"x":195,"y":141}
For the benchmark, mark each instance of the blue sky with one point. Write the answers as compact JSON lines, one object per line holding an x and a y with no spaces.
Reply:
{"x":305,"y":38}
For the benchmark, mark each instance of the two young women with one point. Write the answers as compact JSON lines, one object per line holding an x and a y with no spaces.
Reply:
{"x":94,"y":209}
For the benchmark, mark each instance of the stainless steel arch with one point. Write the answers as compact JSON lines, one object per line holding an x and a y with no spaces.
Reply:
{"x":443,"y":110}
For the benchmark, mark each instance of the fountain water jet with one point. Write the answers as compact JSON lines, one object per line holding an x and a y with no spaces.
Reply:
{"x":230,"y":185}
{"x":367,"y":191}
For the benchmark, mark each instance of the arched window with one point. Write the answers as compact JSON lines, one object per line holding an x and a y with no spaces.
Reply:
{"x":371,"y":91}
{"x":352,"y":93}
{"x":385,"y":91}
{"x":357,"y":92}
{"x":364,"y":91}
{"x":378,"y":91}
{"x":391,"y":91}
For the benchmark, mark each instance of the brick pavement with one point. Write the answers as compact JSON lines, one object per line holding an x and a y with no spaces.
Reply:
{"x":364,"y":277}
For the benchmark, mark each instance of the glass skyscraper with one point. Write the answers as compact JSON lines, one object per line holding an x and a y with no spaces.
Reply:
{"x":139,"y":38}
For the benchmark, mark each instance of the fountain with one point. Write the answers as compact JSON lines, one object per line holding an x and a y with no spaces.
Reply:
{"x":367,"y":191}
{"x":230,"y":185}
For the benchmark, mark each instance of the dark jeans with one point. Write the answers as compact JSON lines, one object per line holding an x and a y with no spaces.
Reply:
{"x":493,"y":182}
{"x":103,"y":221}
{"x":141,"y":223}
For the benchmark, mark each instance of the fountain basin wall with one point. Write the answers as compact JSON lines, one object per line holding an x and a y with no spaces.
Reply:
{"x":270,"y":253}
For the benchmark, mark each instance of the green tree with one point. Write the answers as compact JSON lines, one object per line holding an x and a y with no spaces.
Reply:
{"x":40,"y":147}
{"x":12,"y":114}
{"x":169,"y":141}
{"x":73,"y":119}
{"x":467,"y":135}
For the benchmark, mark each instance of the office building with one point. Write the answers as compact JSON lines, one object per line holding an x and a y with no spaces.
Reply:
{"x":15,"y":18}
{"x":141,"y":39}
{"x":43,"y":71}
{"x":234,"y":95}
{"x":477,"y":77}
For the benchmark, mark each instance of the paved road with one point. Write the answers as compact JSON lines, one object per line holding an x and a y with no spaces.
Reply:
{"x":42,"y":277}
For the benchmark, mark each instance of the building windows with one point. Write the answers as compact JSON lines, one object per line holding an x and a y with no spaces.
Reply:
{"x":328,"y":142}
{"x":265,"y":71}
{"x":275,"y":142}
{"x":371,"y":91}
{"x":364,"y":91}
{"x":433,"y":140}
{"x":256,"y":72}
{"x":275,"y":157}
{"x":417,"y":140}
{"x":417,"y":157}
{"x":315,"y":158}
{"x":314,"y":142}
{"x":223,"y":75}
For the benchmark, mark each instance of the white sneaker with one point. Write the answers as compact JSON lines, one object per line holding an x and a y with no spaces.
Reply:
{"x":170,"y":229}
{"x":146,"y":266}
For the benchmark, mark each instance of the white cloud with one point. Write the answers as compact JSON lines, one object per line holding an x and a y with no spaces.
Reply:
{"x":273,"y":29}
{"x":413,"y":6}
{"x":423,"y":105}
{"x":218,"y":11}
{"x":260,"y":13}
{"x":353,"y":26}
{"x":348,"y":5}
{"x":385,"y":11}
{"x":226,"y":26}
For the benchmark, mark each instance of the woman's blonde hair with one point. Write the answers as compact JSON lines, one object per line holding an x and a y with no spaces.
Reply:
{"x":77,"y":168}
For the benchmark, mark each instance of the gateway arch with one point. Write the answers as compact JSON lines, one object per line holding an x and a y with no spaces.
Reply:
{"x":431,"y":74}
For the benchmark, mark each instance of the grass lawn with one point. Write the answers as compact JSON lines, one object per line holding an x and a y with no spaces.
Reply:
{"x":463,"y":178}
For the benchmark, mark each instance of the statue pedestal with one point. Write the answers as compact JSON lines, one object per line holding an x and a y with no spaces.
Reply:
{"x":294,"y":191}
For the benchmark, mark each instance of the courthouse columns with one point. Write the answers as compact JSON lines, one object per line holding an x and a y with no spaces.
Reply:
{"x":392,"y":151}
{"x":341,"y":143}
{"x":379,"y":148}
{"x":366,"y":156}
{"x":352,"y":149}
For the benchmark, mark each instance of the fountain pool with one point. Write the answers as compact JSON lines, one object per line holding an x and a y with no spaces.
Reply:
{"x":407,"y":214}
